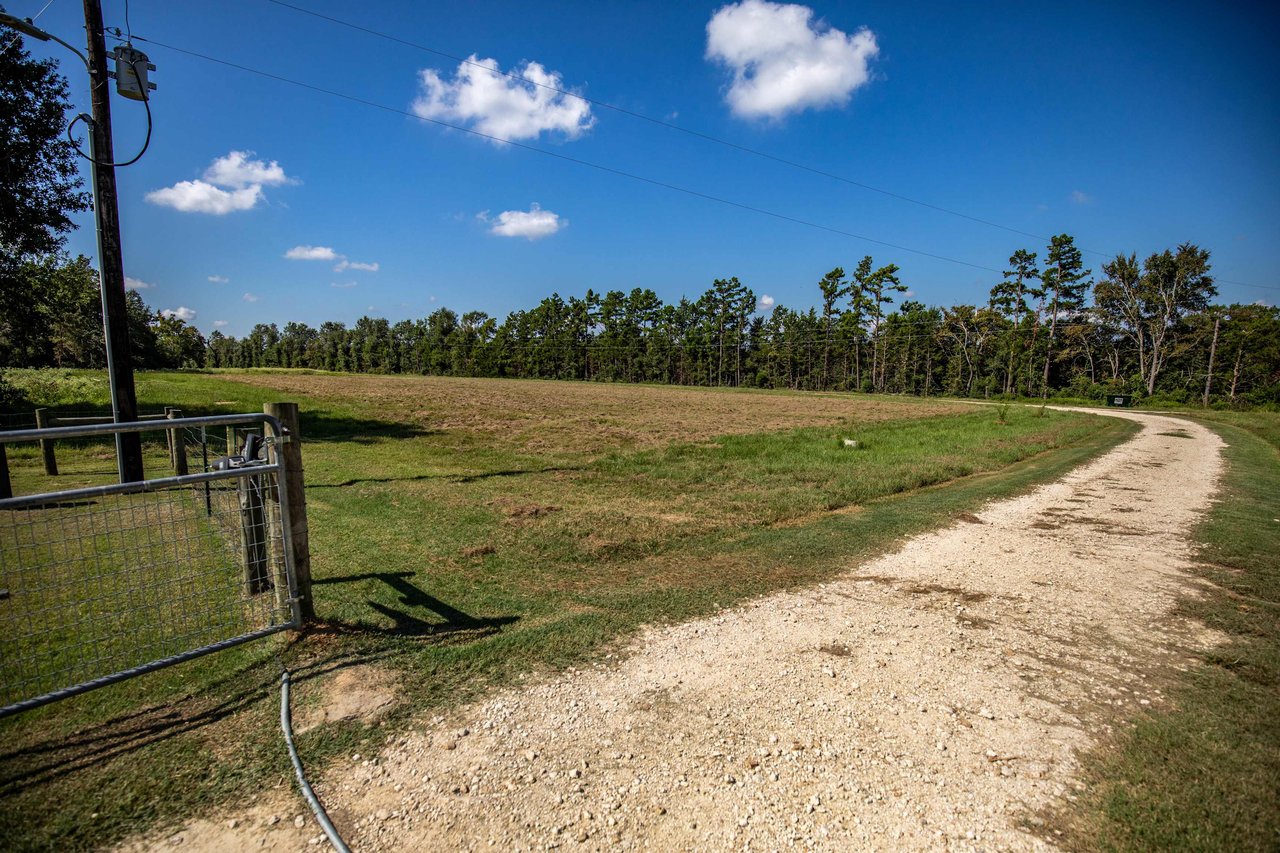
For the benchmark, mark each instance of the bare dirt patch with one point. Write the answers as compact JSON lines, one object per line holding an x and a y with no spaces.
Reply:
{"x":981,"y":660}
{"x":363,"y":692}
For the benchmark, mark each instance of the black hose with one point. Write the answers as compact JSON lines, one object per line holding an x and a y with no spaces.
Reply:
{"x":321,"y":816}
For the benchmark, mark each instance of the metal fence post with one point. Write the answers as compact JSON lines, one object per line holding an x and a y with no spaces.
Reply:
{"x":177,"y":444}
{"x":44,"y":419}
{"x":6,"y":488}
{"x":289,"y":448}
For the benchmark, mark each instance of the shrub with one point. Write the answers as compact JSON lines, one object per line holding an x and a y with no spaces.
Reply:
{"x":53,"y":386}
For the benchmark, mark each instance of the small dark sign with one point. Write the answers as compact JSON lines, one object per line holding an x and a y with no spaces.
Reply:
{"x":1124,"y":400}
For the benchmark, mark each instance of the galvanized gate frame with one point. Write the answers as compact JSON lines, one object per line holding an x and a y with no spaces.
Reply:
{"x":275,"y":467}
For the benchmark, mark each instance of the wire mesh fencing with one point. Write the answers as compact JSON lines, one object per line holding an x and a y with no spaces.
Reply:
{"x":105,"y":582}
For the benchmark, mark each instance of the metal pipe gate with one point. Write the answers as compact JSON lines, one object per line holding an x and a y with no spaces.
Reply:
{"x":103,"y":583}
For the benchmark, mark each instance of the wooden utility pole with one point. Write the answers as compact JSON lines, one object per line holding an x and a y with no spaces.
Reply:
{"x":115,"y":317}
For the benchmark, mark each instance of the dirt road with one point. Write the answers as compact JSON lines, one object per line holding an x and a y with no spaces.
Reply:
{"x":937,"y":697}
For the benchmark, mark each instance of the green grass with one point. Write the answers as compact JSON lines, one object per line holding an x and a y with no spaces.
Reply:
{"x":460,"y":557}
{"x":1206,"y":776}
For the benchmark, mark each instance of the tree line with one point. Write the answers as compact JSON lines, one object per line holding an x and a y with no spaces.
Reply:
{"x":1048,"y":328}
{"x":1147,"y":328}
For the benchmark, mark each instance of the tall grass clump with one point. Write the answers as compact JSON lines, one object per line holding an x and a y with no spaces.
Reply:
{"x":52,"y":386}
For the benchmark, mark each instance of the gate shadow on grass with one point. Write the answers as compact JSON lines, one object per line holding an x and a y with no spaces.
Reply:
{"x":42,"y":759}
{"x":448,"y":478}
{"x":46,"y":759}
{"x":320,"y":425}
{"x":405,"y":622}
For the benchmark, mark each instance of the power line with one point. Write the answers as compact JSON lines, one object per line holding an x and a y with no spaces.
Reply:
{"x":33,"y":19}
{"x":651,"y":119}
{"x":706,"y":137}
{"x":576,"y":160}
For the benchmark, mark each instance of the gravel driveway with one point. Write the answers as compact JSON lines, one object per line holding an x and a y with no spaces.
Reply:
{"x":935,"y":698}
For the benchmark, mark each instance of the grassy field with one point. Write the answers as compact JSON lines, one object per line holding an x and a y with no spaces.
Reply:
{"x":1206,"y":776}
{"x":468,"y":532}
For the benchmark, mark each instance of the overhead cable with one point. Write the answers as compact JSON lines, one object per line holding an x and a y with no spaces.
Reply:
{"x":706,"y":137}
{"x":576,"y":160}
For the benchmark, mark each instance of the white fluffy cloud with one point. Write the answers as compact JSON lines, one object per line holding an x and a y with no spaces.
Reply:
{"x":783,"y":61}
{"x":326,"y":253}
{"x":355,"y":265}
{"x":182,"y":312}
{"x":231,"y":183}
{"x":131,"y":283}
{"x":220,"y":324}
{"x":236,"y":170}
{"x":532,"y":224}
{"x":1078,"y":197}
{"x":766,"y":303}
{"x":218,"y":279}
{"x":200,"y":197}
{"x":503,"y":107}
{"x":344,"y":284}
{"x":251,"y":297}
{"x":312,"y":253}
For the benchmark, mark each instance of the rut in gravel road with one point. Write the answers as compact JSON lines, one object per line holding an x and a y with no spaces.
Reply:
{"x":937,"y":697}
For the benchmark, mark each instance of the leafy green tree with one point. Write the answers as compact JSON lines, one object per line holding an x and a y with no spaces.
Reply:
{"x":725,"y":320}
{"x":969,"y":330}
{"x":221,"y":350}
{"x":295,"y":342}
{"x":1066,"y":285}
{"x":1250,"y":346}
{"x":62,"y":322}
{"x":39,"y":184}
{"x":1148,"y":304}
{"x":39,"y":190}
{"x":871,"y":292}
{"x":178,"y":344}
{"x":1010,"y":298}
{"x":142,"y":336}
{"x":834,"y":288}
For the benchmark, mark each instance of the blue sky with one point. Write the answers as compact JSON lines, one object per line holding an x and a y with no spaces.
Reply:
{"x":1132,"y":126}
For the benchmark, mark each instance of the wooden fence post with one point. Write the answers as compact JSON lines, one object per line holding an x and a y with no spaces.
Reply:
{"x":177,"y":444}
{"x":6,"y":488}
{"x":289,"y":450}
{"x":43,"y":420}
{"x":168,"y":437}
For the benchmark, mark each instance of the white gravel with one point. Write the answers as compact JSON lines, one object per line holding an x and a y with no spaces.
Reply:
{"x":935,"y":698}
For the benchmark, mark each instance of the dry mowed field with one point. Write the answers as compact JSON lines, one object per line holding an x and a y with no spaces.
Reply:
{"x":586,"y":417}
